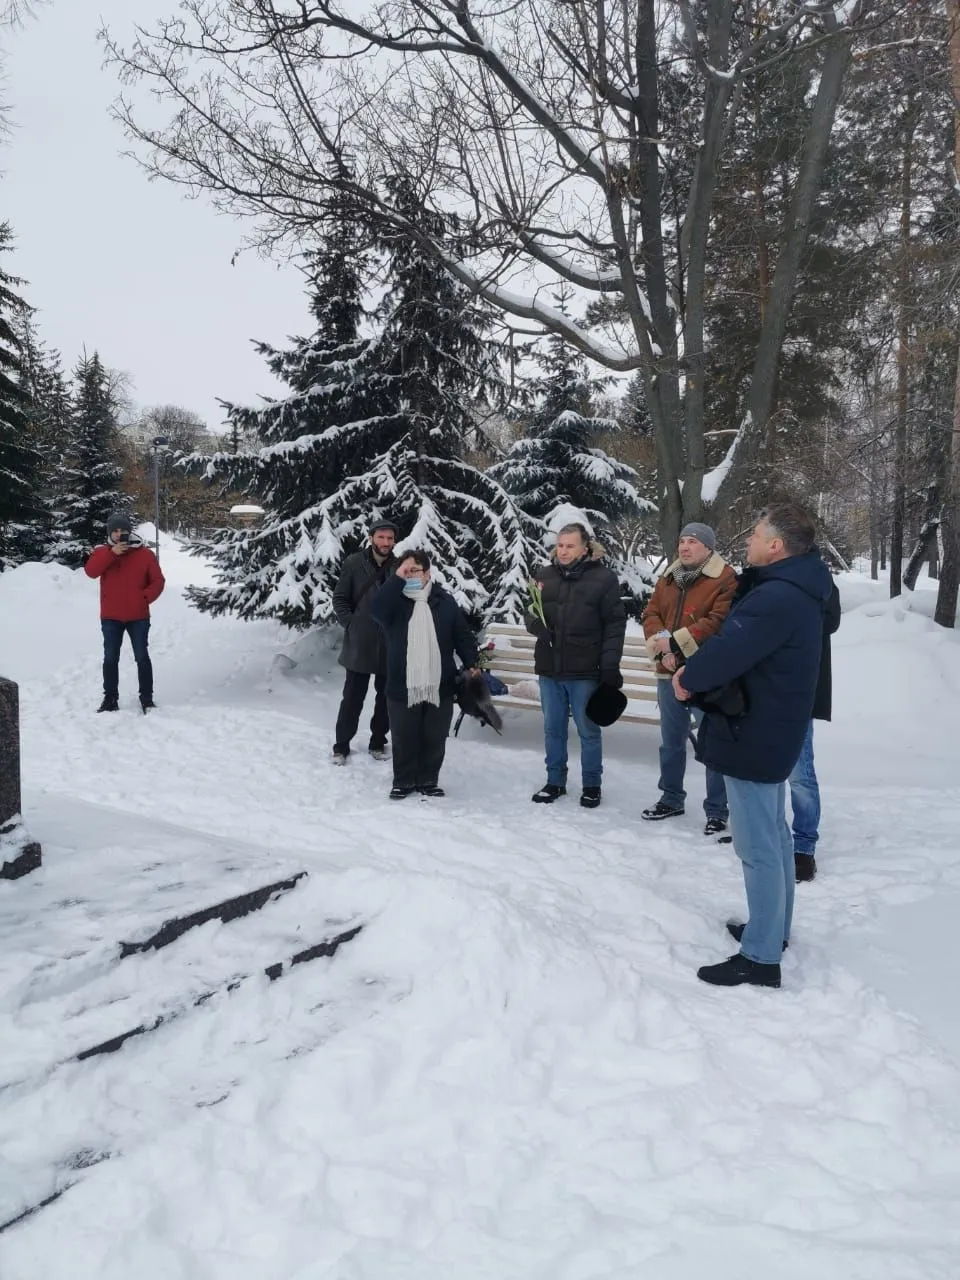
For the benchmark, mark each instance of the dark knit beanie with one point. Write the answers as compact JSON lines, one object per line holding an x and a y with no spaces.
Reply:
{"x":119,"y":521}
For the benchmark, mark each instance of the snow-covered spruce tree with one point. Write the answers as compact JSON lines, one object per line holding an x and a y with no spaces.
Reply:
{"x":556,"y":462}
{"x":50,"y":419}
{"x":373,"y":427}
{"x":90,"y":479}
{"x":304,"y":446}
{"x":19,"y":459}
{"x":442,"y":370}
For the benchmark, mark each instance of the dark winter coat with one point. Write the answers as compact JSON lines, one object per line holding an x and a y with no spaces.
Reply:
{"x":393,"y":611}
{"x":823,"y":700}
{"x":364,"y":647}
{"x":129,"y":584}
{"x":586,"y":621}
{"x":772,"y":639}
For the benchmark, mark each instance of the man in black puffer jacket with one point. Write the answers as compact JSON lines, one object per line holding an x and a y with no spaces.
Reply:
{"x":364,"y":652}
{"x":579,"y":647}
{"x":770,"y":642}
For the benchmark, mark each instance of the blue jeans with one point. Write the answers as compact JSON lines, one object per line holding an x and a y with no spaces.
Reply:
{"x":676,"y":720}
{"x":559,"y":698}
{"x":112,"y":641}
{"x":762,"y":840}
{"x":805,"y":799}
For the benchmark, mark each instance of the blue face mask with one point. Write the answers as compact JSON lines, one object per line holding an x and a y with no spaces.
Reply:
{"x":412,"y":587}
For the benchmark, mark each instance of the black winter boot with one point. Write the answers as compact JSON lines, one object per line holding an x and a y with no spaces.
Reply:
{"x":661,"y":811}
{"x":147,"y":704}
{"x":548,"y":793}
{"x":108,"y":704}
{"x":590,"y":797}
{"x":805,"y":865}
{"x":736,"y":970}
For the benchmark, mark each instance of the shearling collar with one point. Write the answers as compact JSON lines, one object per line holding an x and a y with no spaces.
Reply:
{"x":713,"y":568}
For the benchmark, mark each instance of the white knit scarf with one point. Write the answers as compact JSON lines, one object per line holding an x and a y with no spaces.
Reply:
{"x":423,"y":652}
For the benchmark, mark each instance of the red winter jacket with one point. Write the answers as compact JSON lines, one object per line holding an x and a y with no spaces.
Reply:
{"x":129,"y":584}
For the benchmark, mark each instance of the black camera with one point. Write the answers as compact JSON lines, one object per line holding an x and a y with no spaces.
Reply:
{"x":124,"y":536}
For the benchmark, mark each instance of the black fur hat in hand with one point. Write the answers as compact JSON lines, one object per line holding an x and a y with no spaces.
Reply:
{"x":474,"y":699}
{"x":606,"y":705}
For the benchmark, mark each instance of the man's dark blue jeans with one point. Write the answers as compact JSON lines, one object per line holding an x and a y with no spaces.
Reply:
{"x":112,"y":641}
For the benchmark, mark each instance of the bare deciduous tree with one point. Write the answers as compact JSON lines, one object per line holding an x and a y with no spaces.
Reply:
{"x":578,"y":141}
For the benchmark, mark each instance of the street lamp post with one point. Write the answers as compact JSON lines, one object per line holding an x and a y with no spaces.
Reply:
{"x":158,"y":443}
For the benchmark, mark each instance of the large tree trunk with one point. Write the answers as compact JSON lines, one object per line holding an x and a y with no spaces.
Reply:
{"x":946,"y":612}
{"x":760,"y":402}
{"x":901,"y":435}
{"x":696,"y":235}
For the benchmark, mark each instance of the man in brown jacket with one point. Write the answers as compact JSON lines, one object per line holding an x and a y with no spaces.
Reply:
{"x":687,"y":607}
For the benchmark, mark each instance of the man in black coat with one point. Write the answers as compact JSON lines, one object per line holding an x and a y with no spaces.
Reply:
{"x":804,"y":788}
{"x":364,"y":652}
{"x":771,"y":644}
{"x":579,"y":646}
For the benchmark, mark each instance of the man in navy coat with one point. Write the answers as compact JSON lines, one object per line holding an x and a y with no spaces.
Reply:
{"x":770,"y":643}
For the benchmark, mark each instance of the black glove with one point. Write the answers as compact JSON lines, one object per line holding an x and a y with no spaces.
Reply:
{"x":535,"y":625}
{"x":613,"y":678}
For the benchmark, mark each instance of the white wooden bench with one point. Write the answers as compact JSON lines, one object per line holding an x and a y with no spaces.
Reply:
{"x":512,"y":662}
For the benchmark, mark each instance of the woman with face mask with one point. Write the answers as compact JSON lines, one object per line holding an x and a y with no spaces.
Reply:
{"x":424,"y":627}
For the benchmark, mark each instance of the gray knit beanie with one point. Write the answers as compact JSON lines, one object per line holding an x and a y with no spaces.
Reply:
{"x":702,"y":532}
{"x":118,"y":520}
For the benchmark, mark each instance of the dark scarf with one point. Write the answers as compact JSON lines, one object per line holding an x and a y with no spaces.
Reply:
{"x":685,"y":578}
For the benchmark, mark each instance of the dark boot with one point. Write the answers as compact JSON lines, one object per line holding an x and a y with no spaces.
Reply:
{"x":432,"y":790}
{"x":590,"y":797}
{"x":661,"y":811}
{"x":736,"y":970}
{"x":735,"y":930}
{"x":401,"y":793}
{"x":147,"y":704}
{"x":109,"y":703}
{"x":806,"y":867}
{"x":548,"y":793}
{"x":715,"y":826}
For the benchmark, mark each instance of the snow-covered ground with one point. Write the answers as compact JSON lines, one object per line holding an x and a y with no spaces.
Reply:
{"x":512,"y":1073}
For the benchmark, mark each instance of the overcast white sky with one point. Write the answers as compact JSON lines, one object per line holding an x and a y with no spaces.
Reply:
{"x":128,"y":267}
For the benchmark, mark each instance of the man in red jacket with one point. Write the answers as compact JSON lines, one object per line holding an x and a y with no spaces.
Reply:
{"x":130,"y":581}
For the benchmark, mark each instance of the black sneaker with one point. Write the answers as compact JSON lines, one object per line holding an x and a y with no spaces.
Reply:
{"x":433,"y":790}
{"x":109,"y":704}
{"x":715,"y":827}
{"x":548,"y":793}
{"x":401,"y":793}
{"x":590,"y":797}
{"x":147,"y":704}
{"x":661,"y":811}
{"x":805,"y":865}
{"x":737,"y":970}
{"x":735,"y":930}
